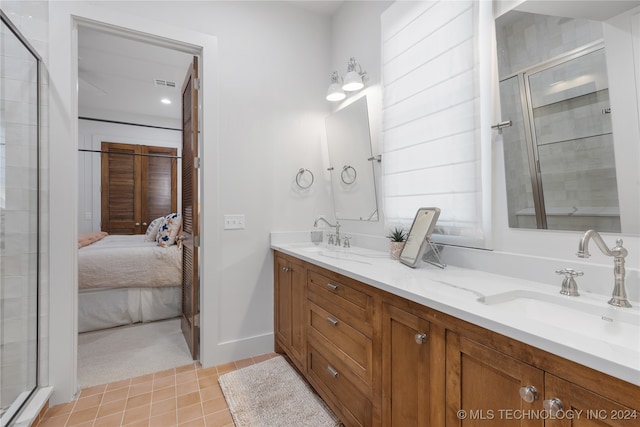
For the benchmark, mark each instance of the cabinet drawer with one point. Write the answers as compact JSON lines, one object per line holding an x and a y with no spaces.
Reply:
{"x":348,"y":344}
{"x":354,"y":406}
{"x":352,"y":305}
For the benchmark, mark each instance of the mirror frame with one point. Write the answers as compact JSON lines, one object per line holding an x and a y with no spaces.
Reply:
{"x":419,"y":235}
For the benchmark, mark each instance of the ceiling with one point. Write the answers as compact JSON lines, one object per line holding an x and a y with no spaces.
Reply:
{"x":116,"y":74}
{"x":325,"y":7}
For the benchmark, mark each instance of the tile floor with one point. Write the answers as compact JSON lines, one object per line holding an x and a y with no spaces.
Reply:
{"x":188,"y":396}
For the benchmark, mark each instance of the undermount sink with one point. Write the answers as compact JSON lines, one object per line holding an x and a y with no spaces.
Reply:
{"x":339,"y":252}
{"x":584,"y":315}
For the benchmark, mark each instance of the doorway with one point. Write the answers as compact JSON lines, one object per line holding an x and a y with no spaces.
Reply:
{"x":129,"y":104}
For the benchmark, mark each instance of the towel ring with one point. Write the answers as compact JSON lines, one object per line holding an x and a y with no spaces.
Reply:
{"x":300,"y":174}
{"x":345,"y":173}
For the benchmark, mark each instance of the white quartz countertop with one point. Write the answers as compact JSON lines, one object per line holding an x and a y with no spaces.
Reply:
{"x":583,"y":329}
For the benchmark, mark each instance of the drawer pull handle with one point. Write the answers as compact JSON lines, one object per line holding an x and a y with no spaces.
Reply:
{"x":332,"y":371}
{"x":286,"y":269}
{"x":333,"y":321}
{"x":332,"y":286}
{"x":421,"y":338}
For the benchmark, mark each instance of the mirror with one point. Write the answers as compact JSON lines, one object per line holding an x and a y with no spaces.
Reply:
{"x":419,"y":235}
{"x":559,"y":150}
{"x":351,"y":163}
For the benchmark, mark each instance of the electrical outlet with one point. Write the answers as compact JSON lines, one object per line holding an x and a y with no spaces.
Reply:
{"x":234,"y":222}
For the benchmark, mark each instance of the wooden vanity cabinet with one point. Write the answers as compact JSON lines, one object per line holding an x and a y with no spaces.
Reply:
{"x":378,"y":359}
{"x":483,"y":386}
{"x":290,"y":276}
{"x":485,"y":372}
{"x":340,"y":313}
{"x":407,"y":357}
{"x":587,"y":408}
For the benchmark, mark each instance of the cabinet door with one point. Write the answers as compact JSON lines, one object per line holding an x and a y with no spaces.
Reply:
{"x":298,"y":312}
{"x":405,"y":368}
{"x":289,"y":299}
{"x":584,"y":408}
{"x":282,"y":300}
{"x":483,"y":387}
{"x":138,"y":184}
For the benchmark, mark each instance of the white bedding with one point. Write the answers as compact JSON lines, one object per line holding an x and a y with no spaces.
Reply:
{"x":128,"y":262}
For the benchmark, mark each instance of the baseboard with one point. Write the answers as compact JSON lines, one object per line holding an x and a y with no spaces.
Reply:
{"x":230,"y":351}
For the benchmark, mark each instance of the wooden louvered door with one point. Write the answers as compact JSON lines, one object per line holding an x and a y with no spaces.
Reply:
{"x":139,"y":184}
{"x":190,"y":224}
{"x":121,"y":184}
{"x":159,"y":182}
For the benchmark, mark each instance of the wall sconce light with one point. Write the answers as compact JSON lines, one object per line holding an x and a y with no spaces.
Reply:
{"x":355,"y":76}
{"x":353,"y":81}
{"x":335,"y":92}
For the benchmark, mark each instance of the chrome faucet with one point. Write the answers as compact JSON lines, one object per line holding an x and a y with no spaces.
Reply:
{"x":336,"y":226}
{"x":619,"y":295}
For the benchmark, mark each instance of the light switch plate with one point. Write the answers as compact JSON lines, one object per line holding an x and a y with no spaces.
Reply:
{"x":234,"y":222}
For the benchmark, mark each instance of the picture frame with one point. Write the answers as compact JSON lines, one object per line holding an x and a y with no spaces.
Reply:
{"x":419,"y":235}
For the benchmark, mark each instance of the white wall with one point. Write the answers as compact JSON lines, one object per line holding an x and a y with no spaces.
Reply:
{"x":91,"y":134}
{"x":264,"y":68}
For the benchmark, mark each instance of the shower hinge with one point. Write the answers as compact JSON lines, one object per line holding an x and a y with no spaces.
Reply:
{"x":196,"y":84}
{"x":196,"y":241}
{"x":196,"y":162}
{"x":196,"y":320}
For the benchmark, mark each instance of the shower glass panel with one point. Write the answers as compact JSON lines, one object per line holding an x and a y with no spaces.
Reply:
{"x":570,"y":114}
{"x":520,"y":195}
{"x":19,"y":219}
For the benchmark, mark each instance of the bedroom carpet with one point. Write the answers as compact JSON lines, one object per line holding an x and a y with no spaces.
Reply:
{"x":130,"y":351}
{"x":272,"y":394}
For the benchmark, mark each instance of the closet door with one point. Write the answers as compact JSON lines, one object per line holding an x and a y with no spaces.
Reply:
{"x":139,"y":184}
{"x":190,"y":220}
{"x":121,"y":189}
{"x":159,"y":183}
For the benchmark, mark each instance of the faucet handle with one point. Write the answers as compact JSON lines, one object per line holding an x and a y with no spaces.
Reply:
{"x":346,"y":242}
{"x":570,"y":272}
{"x":569,"y":285}
{"x":330,"y":241}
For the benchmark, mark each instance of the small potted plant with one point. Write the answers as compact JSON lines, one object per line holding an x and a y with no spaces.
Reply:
{"x":397,"y":238}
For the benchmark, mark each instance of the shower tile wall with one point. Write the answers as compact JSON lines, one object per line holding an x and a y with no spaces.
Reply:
{"x":528,"y":40}
{"x":531,"y":39}
{"x":18,"y":196}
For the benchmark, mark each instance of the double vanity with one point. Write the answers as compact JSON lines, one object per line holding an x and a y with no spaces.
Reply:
{"x":388,"y":345}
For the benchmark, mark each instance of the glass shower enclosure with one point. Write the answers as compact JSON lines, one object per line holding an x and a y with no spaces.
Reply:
{"x":556,"y":123}
{"x":561,"y":133}
{"x":19,"y":220}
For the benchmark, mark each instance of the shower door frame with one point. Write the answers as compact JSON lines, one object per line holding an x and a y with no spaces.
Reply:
{"x":529,"y":121}
{"x":14,"y":30}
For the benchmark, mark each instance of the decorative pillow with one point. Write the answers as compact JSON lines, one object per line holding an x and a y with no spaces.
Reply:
{"x":152,"y":230}
{"x":168,"y":231}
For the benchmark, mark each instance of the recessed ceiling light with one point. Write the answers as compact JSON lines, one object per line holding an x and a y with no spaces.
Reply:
{"x":165,"y":101}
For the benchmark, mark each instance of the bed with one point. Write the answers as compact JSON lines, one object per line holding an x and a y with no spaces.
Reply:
{"x":126,"y":279}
